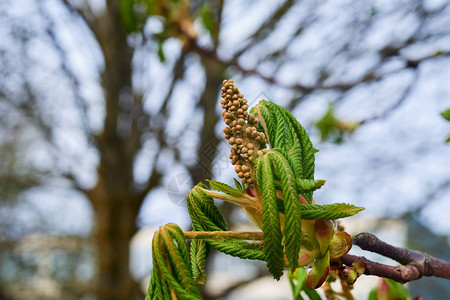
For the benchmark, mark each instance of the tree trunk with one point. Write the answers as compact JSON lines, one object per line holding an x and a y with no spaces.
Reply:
{"x":115,"y":204}
{"x":207,"y":150}
{"x":116,"y":215}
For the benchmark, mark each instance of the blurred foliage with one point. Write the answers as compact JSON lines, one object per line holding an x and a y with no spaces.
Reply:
{"x":131,"y":12}
{"x":300,"y":291}
{"x":446,"y":115}
{"x":16,"y":174}
{"x":388,"y":289}
{"x":332,"y":128}
{"x":177,"y":18}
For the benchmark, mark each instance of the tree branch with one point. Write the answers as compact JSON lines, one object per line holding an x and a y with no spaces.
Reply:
{"x":414,"y":264}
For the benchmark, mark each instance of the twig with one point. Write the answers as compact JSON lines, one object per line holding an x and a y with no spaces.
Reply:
{"x":346,"y":290}
{"x":414,"y":264}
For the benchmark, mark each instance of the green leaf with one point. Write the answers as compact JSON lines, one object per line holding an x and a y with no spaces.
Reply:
{"x":305,"y":185}
{"x":130,"y":18}
{"x":329,"y":211}
{"x":340,"y":244}
{"x":324,"y":232}
{"x":309,"y":184}
{"x":204,"y":213}
{"x":297,"y":281}
{"x":397,"y":290}
{"x":171,"y":272}
{"x":241,"y":249}
{"x":389,"y":289}
{"x":206,"y":216}
{"x":281,"y":133}
{"x":312,"y":294}
{"x":446,"y":114}
{"x":294,"y":156}
{"x":306,"y":256}
{"x":332,"y":128}
{"x":222,"y":187}
{"x":268,"y":121}
{"x":319,"y":272}
{"x":327,"y":124}
{"x":373,"y":294}
{"x":239,"y":186}
{"x":292,"y":210}
{"x":160,"y":51}
{"x":273,"y":248}
{"x":208,"y":18}
{"x":307,"y":149}
{"x":199,"y":251}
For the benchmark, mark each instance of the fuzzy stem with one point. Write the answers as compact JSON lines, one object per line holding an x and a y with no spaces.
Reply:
{"x":244,"y":199}
{"x":224,"y":235}
{"x":346,"y":291}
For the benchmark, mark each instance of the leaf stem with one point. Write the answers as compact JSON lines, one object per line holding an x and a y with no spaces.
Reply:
{"x":224,"y":235}
{"x":346,"y":290}
{"x":244,"y":199}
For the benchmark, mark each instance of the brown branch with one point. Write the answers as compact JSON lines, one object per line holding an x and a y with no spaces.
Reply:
{"x":414,"y":264}
{"x":84,"y":12}
{"x":73,"y":80}
{"x":266,"y":27}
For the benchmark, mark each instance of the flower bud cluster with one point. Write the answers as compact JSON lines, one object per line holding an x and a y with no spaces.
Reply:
{"x":246,"y":142}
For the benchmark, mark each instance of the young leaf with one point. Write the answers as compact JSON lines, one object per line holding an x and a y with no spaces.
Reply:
{"x":446,"y":114}
{"x":340,"y":244}
{"x":297,"y":281}
{"x":208,"y":18}
{"x":307,"y":149}
{"x":305,"y":185}
{"x":319,"y":272}
{"x":309,"y":184}
{"x":307,"y":256}
{"x":241,"y":249}
{"x":203,"y":212}
{"x":329,"y":211}
{"x":199,"y":251}
{"x":292,"y":210}
{"x":268,"y":121}
{"x":224,"y":188}
{"x":312,"y":294}
{"x":286,"y":133}
{"x":273,"y":248}
{"x":171,"y":272}
{"x":239,"y":186}
{"x":397,"y":290}
{"x":324,"y":232}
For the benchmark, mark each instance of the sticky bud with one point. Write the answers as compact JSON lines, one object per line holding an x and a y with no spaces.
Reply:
{"x":359,"y":267}
{"x":349,"y":275}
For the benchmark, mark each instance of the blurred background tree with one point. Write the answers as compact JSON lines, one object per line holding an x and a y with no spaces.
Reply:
{"x":109,"y":100}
